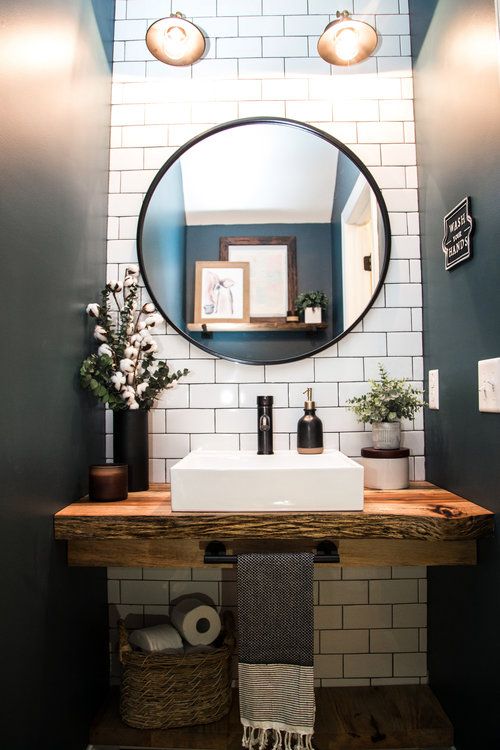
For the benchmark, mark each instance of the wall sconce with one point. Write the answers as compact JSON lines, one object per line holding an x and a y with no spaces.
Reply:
{"x":175,"y":40}
{"x":346,"y":41}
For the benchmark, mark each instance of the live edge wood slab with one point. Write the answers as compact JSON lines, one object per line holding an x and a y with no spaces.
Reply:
{"x":423,"y":525}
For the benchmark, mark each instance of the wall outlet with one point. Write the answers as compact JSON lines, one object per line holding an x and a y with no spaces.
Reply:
{"x":433,"y":389}
{"x":488,"y":376}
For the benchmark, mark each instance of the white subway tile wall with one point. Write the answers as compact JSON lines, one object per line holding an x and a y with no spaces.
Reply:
{"x":370,"y":622}
{"x":261,"y":60}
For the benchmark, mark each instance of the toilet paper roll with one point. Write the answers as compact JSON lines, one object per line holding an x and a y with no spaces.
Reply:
{"x":164,"y":638}
{"x":197,"y":622}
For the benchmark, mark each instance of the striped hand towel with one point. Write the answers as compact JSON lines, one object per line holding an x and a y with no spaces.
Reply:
{"x":276,"y":631}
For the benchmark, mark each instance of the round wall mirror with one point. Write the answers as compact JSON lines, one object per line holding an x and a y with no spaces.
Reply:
{"x":250,"y":217}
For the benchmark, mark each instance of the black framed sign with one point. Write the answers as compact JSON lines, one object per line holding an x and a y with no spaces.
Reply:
{"x":458,"y":224}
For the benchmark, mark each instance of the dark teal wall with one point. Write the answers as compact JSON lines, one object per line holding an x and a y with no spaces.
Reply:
{"x":457,"y":109}
{"x":54,"y":134}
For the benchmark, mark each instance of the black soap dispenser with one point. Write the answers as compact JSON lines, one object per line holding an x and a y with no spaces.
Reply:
{"x":309,"y":428}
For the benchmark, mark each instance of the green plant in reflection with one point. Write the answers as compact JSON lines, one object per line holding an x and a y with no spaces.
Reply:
{"x":311,"y":299}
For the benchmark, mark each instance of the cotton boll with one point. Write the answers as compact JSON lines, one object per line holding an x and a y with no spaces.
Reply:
{"x":126,"y":365}
{"x":133,"y":405}
{"x":106,"y":350}
{"x":114,"y":285}
{"x":93,"y":310}
{"x":130,"y":378}
{"x":141,"y":388}
{"x":130,"y":352}
{"x":141,"y":325}
{"x":148,"y":308}
{"x":132,"y":270}
{"x":129,"y":281}
{"x":100,"y":333}
{"x":151,"y":346}
{"x":153,"y":320}
{"x":135,"y":338}
{"x":118,"y":379}
{"x":146,"y":342}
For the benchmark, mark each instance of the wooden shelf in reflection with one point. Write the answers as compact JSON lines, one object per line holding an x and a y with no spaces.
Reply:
{"x":264,"y":326}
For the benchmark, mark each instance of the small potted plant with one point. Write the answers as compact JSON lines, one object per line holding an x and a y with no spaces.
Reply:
{"x":124,"y":373}
{"x":387,"y":402}
{"x":311,"y":306}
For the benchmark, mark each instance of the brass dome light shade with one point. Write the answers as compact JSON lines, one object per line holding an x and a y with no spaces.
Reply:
{"x":346,"y":41}
{"x":175,"y":40}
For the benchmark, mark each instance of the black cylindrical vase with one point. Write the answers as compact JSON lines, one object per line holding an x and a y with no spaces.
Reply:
{"x":130,"y":446}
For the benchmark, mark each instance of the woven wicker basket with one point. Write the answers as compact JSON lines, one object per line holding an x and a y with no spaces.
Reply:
{"x":164,"y":690}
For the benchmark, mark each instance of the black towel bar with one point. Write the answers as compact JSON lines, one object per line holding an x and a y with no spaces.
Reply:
{"x":215,"y":554}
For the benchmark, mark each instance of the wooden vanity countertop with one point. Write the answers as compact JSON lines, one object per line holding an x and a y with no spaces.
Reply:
{"x":422,"y":512}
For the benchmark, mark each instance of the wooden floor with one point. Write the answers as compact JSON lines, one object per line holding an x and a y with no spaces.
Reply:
{"x":348,"y":718}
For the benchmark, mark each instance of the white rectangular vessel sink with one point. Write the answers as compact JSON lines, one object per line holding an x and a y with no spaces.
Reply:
{"x":286,"y":481}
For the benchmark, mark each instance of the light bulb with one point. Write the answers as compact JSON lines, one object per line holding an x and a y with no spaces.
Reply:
{"x":347,"y":43}
{"x":174,"y":42}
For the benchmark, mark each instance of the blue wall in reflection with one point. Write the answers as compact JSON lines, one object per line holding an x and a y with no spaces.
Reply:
{"x":164,"y":244}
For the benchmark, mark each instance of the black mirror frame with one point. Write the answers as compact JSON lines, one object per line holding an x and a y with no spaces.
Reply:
{"x":255,"y":121}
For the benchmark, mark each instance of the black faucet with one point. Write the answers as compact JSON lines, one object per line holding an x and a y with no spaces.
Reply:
{"x":264,"y":425}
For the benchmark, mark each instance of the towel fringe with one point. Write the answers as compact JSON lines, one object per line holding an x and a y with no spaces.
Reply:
{"x":260,"y":739}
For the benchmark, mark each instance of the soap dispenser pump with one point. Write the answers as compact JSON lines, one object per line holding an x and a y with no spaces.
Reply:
{"x":309,"y":428}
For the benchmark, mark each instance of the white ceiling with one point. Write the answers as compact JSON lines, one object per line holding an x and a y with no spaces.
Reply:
{"x":261,"y":173}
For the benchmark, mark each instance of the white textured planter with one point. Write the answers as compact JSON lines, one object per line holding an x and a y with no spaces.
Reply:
{"x":385,"y":470}
{"x":313,"y":315}
{"x":386,"y":435}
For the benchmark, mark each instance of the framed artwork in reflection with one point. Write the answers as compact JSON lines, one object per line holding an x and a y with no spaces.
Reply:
{"x":222,"y":292}
{"x":273,"y":272}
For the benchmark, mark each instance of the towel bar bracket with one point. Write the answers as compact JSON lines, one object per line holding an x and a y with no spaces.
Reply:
{"x":216,"y":554}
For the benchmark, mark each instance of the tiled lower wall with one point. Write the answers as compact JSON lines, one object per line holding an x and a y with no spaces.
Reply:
{"x":370,"y":623}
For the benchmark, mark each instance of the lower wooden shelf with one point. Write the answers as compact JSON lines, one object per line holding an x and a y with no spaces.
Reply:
{"x":347,"y":718}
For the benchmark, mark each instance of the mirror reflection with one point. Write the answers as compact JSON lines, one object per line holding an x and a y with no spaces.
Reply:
{"x":263,"y":240}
